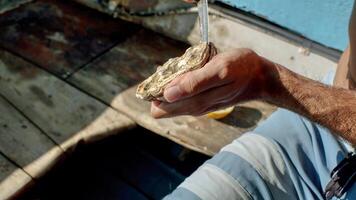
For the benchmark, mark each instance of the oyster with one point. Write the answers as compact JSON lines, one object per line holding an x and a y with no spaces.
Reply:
{"x":194,"y":58}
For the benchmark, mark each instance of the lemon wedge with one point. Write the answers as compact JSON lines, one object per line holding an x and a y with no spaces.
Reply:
{"x":219,"y":114}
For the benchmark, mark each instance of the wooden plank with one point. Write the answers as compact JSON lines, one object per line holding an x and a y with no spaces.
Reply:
{"x":12,"y":179}
{"x":127,"y":166}
{"x":60,"y":36}
{"x":65,"y":114}
{"x":112,"y":78}
{"x":202,"y":134}
{"x":6,"y":5}
{"x":127,"y":64}
{"x":135,"y":6}
{"x":24,"y":144}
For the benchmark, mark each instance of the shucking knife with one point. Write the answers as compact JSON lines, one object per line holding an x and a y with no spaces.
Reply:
{"x":204,"y":20}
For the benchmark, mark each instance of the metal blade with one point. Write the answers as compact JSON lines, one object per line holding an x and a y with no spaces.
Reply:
{"x":204,"y":20}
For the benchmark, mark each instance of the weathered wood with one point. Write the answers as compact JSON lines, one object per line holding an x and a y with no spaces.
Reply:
{"x":60,"y":36}
{"x":64,"y":113}
{"x":129,"y":63}
{"x":202,"y":134}
{"x":12,"y":179}
{"x":24,"y":144}
{"x":117,"y":7}
{"x":6,"y":5}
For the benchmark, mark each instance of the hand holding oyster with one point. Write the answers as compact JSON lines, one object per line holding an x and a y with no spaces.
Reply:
{"x":194,"y":58}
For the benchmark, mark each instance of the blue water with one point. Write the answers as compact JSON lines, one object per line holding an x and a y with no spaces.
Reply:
{"x":324,"y":21}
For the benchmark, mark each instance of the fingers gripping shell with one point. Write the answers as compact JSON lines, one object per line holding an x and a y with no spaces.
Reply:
{"x":194,"y":58}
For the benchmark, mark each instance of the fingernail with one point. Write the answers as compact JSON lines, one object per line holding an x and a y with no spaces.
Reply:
{"x":156,"y":103}
{"x":172,"y":94}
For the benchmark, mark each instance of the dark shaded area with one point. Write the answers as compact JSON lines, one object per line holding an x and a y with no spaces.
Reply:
{"x":7,"y":5}
{"x":134,"y":165}
{"x":243,"y":117}
{"x":109,"y":56}
{"x":60,"y":36}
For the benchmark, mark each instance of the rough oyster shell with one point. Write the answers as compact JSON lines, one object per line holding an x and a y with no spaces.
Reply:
{"x":194,"y":58}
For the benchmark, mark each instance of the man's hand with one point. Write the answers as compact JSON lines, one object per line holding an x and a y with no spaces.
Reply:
{"x":242,"y":75}
{"x":228,"y":78}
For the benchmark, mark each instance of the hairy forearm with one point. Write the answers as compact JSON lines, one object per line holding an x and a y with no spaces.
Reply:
{"x":334,"y":108}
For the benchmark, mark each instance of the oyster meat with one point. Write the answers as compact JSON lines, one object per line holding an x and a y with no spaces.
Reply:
{"x":194,"y":58}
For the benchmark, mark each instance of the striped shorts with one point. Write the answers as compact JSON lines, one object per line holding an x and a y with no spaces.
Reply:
{"x":286,"y":157}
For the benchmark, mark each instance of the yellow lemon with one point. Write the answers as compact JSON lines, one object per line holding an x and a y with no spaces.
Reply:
{"x":219,"y":114}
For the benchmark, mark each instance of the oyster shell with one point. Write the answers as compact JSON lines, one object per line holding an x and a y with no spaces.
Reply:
{"x":194,"y":58}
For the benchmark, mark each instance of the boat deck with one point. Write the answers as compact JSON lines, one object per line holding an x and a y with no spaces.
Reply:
{"x":67,"y":78}
{"x":120,"y":167}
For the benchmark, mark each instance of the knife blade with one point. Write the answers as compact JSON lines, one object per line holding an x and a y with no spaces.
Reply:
{"x":203,"y":20}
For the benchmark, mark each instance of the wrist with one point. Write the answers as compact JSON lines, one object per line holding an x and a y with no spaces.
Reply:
{"x":249,"y":76}
{"x":266,"y":79}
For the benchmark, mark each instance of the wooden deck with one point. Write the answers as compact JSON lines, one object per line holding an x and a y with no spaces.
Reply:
{"x":68,"y":76}
{"x":120,"y":167}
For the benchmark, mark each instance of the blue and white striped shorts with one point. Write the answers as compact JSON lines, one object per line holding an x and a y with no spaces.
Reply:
{"x":286,"y":157}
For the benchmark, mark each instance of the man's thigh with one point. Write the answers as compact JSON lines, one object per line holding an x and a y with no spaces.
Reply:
{"x":309,"y":150}
{"x":286,"y":157}
{"x":248,"y":168}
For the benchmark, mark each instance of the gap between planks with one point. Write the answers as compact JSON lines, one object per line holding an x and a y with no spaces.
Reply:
{"x":30,"y":90}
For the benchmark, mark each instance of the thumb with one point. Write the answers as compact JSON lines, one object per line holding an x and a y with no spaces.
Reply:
{"x":193,"y":83}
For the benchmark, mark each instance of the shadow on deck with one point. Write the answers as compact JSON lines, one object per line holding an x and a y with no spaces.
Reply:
{"x":120,"y":167}
{"x":67,"y":78}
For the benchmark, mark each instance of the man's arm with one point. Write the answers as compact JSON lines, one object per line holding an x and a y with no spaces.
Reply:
{"x":242,"y":75}
{"x":335,"y":108}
